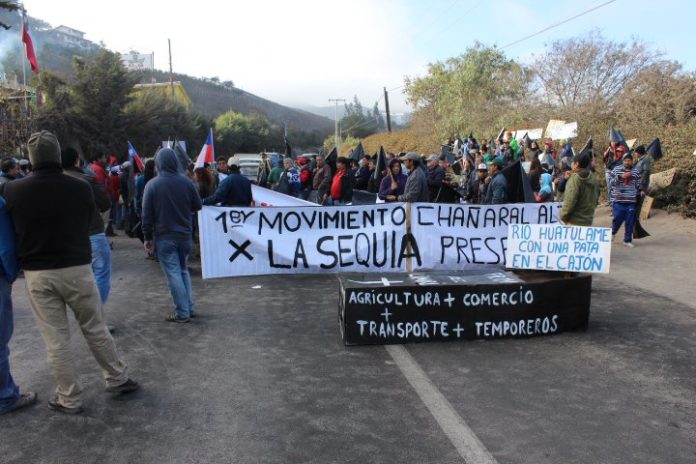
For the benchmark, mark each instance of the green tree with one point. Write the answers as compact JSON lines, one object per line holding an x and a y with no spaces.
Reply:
{"x":101,"y":91}
{"x":238,"y":133}
{"x":359,"y":123}
{"x":479,"y":90}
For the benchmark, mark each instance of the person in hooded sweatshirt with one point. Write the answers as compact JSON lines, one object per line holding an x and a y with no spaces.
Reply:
{"x":581,"y":194}
{"x":169,"y":202}
{"x":546,"y":190}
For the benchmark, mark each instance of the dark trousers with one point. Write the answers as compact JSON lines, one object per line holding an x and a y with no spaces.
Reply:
{"x":624,"y":212}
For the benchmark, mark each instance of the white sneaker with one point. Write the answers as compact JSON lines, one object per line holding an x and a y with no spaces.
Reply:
{"x":629,"y":244}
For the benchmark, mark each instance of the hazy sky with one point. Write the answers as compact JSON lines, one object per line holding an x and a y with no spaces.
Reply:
{"x":307,"y":51}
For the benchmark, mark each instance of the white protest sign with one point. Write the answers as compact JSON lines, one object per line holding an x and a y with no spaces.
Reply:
{"x":565,"y":131}
{"x":454,"y":237}
{"x":310,"y":239}
{"x":266,"y":197}
{"x":559,"y":248}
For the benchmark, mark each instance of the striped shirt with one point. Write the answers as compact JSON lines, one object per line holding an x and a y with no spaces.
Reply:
{"x":623,"y":191}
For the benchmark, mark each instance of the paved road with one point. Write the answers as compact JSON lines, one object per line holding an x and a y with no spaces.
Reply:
{"x":262,"y":377}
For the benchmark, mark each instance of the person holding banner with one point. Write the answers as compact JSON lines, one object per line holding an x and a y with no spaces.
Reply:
{"x":394,"y":184}
{"x":341,"y":192}
{"x":416,"y":188}
{"x":496,"y":192}
{"x":321,"y":181}
{"x":581,"y":194}
{"x":625,"y":191}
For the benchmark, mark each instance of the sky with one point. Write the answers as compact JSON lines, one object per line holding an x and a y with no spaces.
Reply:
{"x":304,"y":52}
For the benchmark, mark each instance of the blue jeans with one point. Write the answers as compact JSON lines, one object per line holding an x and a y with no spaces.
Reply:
{"x":9,"y":391}
{"x":101,"y":264}
{"x":173,"y":257}
{"x":624,"y":212}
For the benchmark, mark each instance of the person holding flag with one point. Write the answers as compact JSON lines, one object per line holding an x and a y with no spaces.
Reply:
{"x":134,"y":158}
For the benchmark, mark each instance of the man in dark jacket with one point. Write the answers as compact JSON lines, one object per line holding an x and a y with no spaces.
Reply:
{"x":581,"y":194}
{"x":362,"y":174}
{"x":497,"y":190}
{"x":235,"y":190}
{"x":435,"y":176}
{"x":169,"y":202}
{"x":321,"y":182}
{"x":101,"y":250}
{"x":54,"y":250}
{"x":416,"y":189}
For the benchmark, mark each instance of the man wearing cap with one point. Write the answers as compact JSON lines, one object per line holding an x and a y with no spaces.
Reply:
{"x":581,"y":194}
{"x":625,"y":191}
{"x":416,"y":189}
{"x":477,"y":185}
{"x":435,"y":176}
{"x":55,"y":252}
{"x":497,"y":190}
{"x":169,"y":202}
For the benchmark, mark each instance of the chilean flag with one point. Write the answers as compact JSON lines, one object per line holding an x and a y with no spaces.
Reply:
{"x":207,"y":154}
{"x":28,"y":44}
{"x":134,"y":158}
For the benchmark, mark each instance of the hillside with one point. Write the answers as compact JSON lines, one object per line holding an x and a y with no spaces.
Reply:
{"x":214,"y":99}
{"x":55,"y":55}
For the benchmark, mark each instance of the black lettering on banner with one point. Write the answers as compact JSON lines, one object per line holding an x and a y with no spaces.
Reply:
{"x":445,"y":242}
{"x":492,"y":249}
{"x":503,"y":214}
{"x":276,"y":222}
{"x":407,"y":240}
{"x":240,"y":250}
{"x":344,"y":251}
{"x":473,"y":244}
{"x":421,"y":221}
{"x":222,"y":217}
{"x":333,"y":255}
{"x":271,"y":261}
{"x":401,"y":210}
{"x":300,"y":254}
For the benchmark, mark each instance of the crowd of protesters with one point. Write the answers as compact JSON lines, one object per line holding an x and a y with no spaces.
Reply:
{"x":63,"y":250}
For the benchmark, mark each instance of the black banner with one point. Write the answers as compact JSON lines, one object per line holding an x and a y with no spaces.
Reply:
{"x":484,"y":304}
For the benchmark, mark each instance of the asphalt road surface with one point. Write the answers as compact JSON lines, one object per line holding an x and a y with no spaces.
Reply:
{"x":261,"y":376}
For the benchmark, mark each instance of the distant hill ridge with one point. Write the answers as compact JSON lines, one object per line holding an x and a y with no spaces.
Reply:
{"x":206,"y":96}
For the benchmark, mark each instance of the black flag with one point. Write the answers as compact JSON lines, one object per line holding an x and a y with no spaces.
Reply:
{"x":655,"y":149}
{"x":288,"y":148}
{"x":381,"y":163}
{"x":358,"y":152}
{"x":519,"y":187}
{"x":331,"y":159}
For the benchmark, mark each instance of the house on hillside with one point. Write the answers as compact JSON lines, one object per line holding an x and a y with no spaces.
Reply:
{"x":174,"y":89}
{"x":69,"y":37}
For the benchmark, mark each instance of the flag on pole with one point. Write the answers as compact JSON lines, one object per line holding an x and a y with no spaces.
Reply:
{"x":207,"y":154}
{"x":28,"y":44}
{"x":134,"y":158}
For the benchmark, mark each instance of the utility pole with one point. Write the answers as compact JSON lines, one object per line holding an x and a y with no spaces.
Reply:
{"x":171,"y":72}
{"x":337,"y":101}
{"x":386,"y":107}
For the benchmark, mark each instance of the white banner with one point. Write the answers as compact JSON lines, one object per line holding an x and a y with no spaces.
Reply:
{"x":468,"y":236}
{"x":266,"y":197}
{"x":559,"y":248}
{"x":256,"y":241}
{"x":533,"y":134}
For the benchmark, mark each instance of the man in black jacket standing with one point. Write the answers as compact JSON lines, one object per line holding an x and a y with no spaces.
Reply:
{"x":169,"y":202}
{"x":54,"y":250}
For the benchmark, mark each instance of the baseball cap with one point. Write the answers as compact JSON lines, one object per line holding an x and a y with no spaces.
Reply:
{"x":411,"y":155}
{"x":482,"y":167}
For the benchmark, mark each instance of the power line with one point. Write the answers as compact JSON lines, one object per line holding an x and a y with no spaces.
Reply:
{"x":554,"y":25}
